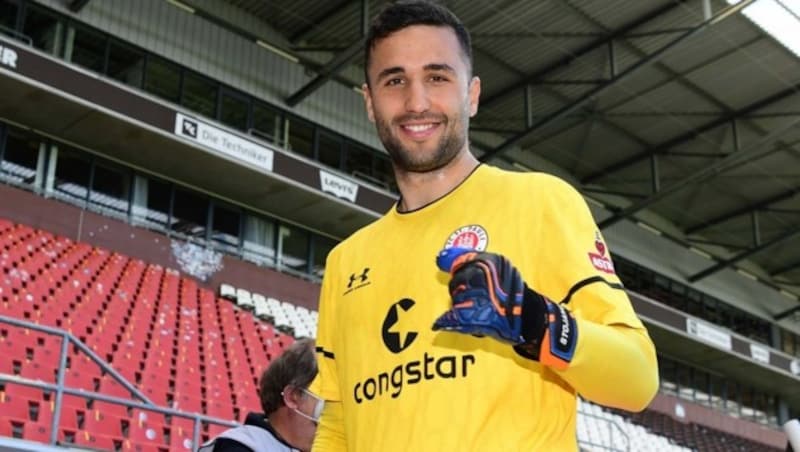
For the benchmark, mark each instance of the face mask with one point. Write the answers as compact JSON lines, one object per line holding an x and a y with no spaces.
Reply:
{"x":320,"y":403}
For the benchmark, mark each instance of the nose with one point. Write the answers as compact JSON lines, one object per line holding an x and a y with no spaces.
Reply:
{"x":417,"y":98}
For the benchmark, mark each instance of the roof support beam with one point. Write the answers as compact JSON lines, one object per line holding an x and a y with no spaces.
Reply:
{"x":786,"y":313}
{"x":573,"y":56}
{"x":77,"y":5}
{"x":745,"y":254}
{"x":332,"y":67}
{"x":758,"y":205}
{"x":597,"y":91}
{"x":317,"y":21}
{"x":785,"y":268}
{"x":737,"y":159}
{"x":694,"y":133}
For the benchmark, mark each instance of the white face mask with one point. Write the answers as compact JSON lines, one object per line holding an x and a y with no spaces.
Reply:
{"x":320,"y":403}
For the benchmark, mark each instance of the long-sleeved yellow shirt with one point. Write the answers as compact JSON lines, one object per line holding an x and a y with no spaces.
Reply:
{"x":392,"y":383}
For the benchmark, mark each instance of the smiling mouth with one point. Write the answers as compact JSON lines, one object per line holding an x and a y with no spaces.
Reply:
{"x":419,"y":128}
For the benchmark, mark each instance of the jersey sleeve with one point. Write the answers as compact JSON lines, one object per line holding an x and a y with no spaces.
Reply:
{"x":329,"y":436}
{"x":326,"y":383}
{"x":614,"y":362}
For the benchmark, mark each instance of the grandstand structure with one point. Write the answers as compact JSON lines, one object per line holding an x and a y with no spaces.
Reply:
{"x":174,"y":172}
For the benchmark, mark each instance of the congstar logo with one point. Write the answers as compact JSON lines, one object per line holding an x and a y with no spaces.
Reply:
{"x":398,"y":336}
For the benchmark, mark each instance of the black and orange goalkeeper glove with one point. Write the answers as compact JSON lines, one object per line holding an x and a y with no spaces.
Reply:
{"x":491,"y":299}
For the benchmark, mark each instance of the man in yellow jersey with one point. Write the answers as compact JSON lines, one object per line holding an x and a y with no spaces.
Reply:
{"x":471,"y":315}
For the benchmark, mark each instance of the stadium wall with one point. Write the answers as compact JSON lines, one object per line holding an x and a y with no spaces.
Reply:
{"x":81,"y":225}
{"x":227,"y":57}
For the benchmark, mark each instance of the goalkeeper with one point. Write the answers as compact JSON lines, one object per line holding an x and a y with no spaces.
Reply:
{"x":474,"y":313}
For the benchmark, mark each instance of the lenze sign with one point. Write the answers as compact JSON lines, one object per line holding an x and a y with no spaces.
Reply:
{"x":224,"y":142}
{"x":8,"y":57}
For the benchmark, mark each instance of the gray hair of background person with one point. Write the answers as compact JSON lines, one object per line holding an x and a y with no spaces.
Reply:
{"x":296,"y":367}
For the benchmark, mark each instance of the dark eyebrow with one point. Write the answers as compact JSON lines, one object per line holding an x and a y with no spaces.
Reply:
{"x":444,"y":67}
{"x":389,"y":71}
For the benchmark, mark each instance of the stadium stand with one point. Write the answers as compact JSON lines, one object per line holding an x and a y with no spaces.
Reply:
{"x":668,"y":111}
{"x":181,"y":346}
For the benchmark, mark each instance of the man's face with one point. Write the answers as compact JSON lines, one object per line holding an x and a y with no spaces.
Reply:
{"x":420,"y":96}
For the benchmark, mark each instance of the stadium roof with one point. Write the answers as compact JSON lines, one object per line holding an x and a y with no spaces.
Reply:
{"x":680,"y":115}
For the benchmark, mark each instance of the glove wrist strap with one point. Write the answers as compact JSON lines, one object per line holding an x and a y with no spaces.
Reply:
{"x":549,"y":330}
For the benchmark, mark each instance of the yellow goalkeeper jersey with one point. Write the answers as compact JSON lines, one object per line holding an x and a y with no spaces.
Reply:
{"x":394,"y":384}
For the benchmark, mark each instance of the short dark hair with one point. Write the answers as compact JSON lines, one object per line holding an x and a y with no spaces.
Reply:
{"x":296,"y":367}
{"x":405,"y":13}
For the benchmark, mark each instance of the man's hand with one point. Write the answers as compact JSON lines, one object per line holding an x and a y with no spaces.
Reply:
{"x":491,"y":299}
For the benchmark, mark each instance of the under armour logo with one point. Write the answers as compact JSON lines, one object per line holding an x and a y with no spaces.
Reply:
{"x":358,"y":281}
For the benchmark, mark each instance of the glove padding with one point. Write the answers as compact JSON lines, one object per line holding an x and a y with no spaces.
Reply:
{"x":491,"y":299}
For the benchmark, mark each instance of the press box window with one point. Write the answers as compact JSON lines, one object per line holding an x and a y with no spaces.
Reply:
{"x":267,"y":123}
{"x":294,"y":248}
{"x":111,"y":188}
{"x":225,"y":227}
{"x":259,"y":240}
{"x":86,"y":48}
{"x":199,"y":94}
{"x":125,"y":64}
{"x":233,"y":110}
{"x":44,"y":29}
{"x":8,"y":17}
{"x":162,"y":78}
{"x":151,"y":200}
{"x":20,"y":158}
{"x":190,"y":214}
{"x":71,"y":175}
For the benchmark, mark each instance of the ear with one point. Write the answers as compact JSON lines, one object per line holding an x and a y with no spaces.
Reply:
{"x":290,"y":397}
{"x":368,"y":101}
{"x":474,"y":95}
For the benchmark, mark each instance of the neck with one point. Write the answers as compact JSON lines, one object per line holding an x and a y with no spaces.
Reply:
{"x":282,"y":425}
{"x":420,"y":189}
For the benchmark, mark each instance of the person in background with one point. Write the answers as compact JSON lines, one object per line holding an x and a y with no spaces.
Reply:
{"x":290,"y":414}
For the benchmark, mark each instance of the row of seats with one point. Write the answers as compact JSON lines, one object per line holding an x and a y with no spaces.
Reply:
{"x":178,"y":343}
{"x":295,"y":320}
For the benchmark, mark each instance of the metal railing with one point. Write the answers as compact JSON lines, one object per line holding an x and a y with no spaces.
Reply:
{"x":60,"y":389}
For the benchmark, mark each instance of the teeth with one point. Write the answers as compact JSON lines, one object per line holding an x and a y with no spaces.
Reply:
{"x":419,"y":127}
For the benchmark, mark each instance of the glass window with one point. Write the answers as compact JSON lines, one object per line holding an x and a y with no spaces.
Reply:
{"x":684,"y":379}
{"x":718,"y":394}
{"x":700,"y":385}
{"x":384,"y":173}
{"x":225,"y":230}
{"x":732,"y":400}
{"x":190,"y":214}
{"x":329,"y":150}
{"x":162,"y":78}
{"x":72,"y":174}
{"x":199,"y":94}
{"x":44,"y":29}
{"x":294,"y":248}
{"x":301,"y":137}
{"x":125,"y":63}
{"x":20,"y":157}
{"x":358,"y":160}
{"x":233,"y":110}
{"x":151,"y":202}
{"x":267,"y":123}
{"x":259,"y":240}
{"x":111,"y":188}
{"x":321,"y":247}
{"x":8,"y":17}
{"x":667,"y":374}
{"x":88,"y":49}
